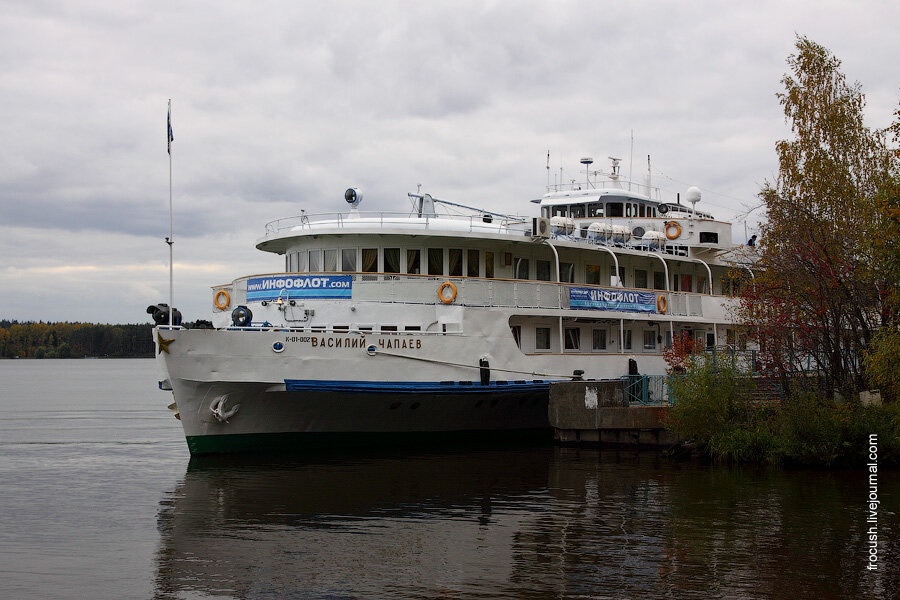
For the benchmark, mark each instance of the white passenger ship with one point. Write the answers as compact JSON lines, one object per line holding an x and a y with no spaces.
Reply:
{"x":427,"y":322}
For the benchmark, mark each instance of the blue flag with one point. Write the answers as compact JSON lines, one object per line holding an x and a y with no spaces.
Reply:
{"x":170,"y":137}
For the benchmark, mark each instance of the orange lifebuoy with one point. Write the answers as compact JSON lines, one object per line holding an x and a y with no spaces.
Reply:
{"x":445,"y":299}
{"x":677,"y":227}
{"x":662,"y":304}
{"x":222,"y":305}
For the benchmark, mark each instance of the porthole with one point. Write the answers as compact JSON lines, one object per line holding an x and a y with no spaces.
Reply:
{"x":278,"y":346}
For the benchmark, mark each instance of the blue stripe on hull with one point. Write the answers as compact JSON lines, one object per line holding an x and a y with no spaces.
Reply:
{"x":414,"y":387}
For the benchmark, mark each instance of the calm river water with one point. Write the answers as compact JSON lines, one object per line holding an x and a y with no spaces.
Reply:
{"x":98,"y":499}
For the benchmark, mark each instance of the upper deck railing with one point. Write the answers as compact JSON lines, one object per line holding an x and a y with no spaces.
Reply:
{"x":478,"y":222}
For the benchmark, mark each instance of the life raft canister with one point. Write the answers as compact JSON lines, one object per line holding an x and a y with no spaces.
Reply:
{"x":673,"y":225}
{"x":221,"y":303}
{"x":445,"y":299}
{"x":662,"y":304}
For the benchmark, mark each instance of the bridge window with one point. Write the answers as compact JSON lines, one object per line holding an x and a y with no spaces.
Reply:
{"x":315,"y":257}
{"x":348,"y":259}
{"x":489,"y":265}
{"x":542,"y":339}
{"x":545,"y":212}
{"x":522,"y":268}
{"x":435,"y":261}
{"x":542,"y":270}
{"x":302,"y":263}
{"x":456,"y":262}
{"x":370,"y":260}
{"x":331,"y":258}
{"x":614,"y":209}
{"x":595,"y":209}
{"x":573,"y":338}
{"x":599,"y":339}
{"x":577,"y":211}
{"x":640,"y":278}
{"x":642,"y":210}
{"x":649,"y":340}
{"x":392,"y":260}
{"x":472,"y":263}
{"x":413,"y":262}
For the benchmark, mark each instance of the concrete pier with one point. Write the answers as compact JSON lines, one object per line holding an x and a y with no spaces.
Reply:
{"x":595,"y":412}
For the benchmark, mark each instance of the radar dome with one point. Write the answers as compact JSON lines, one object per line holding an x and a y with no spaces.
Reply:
{"x":353,"y":196}
{"x":693,"y":194}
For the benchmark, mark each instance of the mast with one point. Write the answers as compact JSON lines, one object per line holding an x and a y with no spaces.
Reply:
{"x":171,"y":239}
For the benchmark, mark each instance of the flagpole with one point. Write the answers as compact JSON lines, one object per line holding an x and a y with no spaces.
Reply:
{"x":171,"y":239}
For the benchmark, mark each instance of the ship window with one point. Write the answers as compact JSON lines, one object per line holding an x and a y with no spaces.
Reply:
{"x":413,"y":262}
{"x":560,"y":211}
{"x":709,"y":237}
{"x":489,"y":264}
{"x":302,"y":257}
{"x":392,"y":260}
{"x":567,"y":272}
{"x":599,"y":339}
{"x":542,"y":270}
{"x":456,"y":259}
{"x":341,"y":327}
{"x":517,"y":334}
{"x":621,"y":276}
{"x":287,"y":262}
{"x":348,"y":259}
{"x":412,"y":328}
{"x":614,"y":209}
{"x":640,"y":278}
{"x":522,"y":268}
{"x":472,"y":263}
{"x":628,"y":339}
{"x":684,"y":283}
{"x":545,"y":212}
{"x":595,"y":209}
{"x":314,"y":256}
{"x":578,"y":211}
{"x":592,"y":274}
{"x":435,"y":261}
{"x":729,"y":337}
{"x":542,"y":338}
{"x":331,"y":257}
{"x":642,"y":210}
{"x":369,"y":260}
{"x":628,"y":209}
{"x":649,"y":340}
{"x":573,"y":338}
{"x":659,"y":280}
{"x":389,"y":328}
{"x":365,"y":328}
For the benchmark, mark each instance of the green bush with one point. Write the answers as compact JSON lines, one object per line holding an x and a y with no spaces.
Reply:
{"x":714,"y":409}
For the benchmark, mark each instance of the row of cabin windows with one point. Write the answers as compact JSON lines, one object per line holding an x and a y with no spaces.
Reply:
{"x":599,"y":209}
{"x":453,"y":262}
{"x":572,"y":339}
{"x":458,"y":262}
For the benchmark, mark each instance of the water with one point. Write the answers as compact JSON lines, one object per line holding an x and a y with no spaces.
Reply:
{"x":98,"y":499}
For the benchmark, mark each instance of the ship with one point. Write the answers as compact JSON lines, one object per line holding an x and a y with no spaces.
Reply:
{"x":446,"y":321}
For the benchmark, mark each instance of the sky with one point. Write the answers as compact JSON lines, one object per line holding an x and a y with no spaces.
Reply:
{"x":281,"y":106}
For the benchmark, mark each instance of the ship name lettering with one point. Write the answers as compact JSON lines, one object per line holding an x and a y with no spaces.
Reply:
{"x":400,"y":344}
{"x":338,"y":342}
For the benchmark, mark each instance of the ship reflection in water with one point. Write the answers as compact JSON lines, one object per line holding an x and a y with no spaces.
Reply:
{"x":520,"y":523}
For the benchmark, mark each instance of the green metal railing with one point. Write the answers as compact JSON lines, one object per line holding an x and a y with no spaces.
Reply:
{"x":645,"y":390}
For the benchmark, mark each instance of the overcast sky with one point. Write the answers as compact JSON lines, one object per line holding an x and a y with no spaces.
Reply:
{"x":280,"y":106}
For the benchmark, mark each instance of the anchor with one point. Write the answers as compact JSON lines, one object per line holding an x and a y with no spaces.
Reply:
{"x":218,"y":409}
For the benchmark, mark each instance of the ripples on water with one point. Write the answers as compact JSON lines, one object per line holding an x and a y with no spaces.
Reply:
{"x":98,"y":499}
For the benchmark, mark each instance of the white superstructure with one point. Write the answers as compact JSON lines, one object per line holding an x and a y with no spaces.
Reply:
{"x":427,"y":322}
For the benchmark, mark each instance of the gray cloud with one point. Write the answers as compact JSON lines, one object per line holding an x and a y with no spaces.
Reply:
{"x":282,"y":106}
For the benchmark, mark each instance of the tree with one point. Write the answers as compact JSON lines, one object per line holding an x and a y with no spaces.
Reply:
{"x":818,"y":291}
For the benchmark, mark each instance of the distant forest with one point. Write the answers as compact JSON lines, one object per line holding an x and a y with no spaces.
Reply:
{"x":74,"y":340}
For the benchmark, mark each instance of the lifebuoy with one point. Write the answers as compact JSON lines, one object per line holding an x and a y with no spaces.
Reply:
{"x":445,"y":299}
{"x":677,"y":227}
{"x":662,"y":304}
{"x":223,"y":304}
